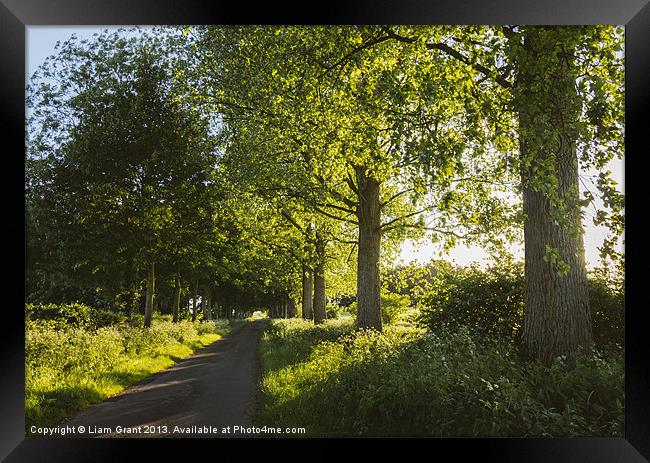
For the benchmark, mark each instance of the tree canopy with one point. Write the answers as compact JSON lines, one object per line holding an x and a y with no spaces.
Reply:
{"x":247,"y":161}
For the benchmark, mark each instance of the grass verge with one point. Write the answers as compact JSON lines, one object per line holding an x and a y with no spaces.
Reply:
{"x":71,"y":368}
{"x":411,"y":382}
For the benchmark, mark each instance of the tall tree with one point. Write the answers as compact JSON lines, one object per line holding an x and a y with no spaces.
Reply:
{"x":564,"y":86}
{"x":386,"y":137}
{"x":114,"y":143}
{"x":549,"y":108}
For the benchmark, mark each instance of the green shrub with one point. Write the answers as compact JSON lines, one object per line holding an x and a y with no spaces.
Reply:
{"x":607,"y":302}
{"x":70,"y":314}
{"x":489,"y":301}
{"x":408,"y":382}
{"x":393,"y":306}
{"x":352,"y":308}
{"x":492,"y":302}
{"x":333,"y":310}
{"x":75,"y":314}
{"x":71,"y":365}
{"x":137,"y":320}
{"x":103,"y":317}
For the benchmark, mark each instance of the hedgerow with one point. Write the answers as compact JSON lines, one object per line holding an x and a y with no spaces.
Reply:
{"x":71,"y":363}
{"x":491,"y":302}
{"x":410,"y":382}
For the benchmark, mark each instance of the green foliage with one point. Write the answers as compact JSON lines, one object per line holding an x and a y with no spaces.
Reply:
{"x":607,"y":302}
{"x":491,"y":302}
{"x":414,"y":278}
{"x":298,"y":339}
{"x":75,"y":314}
{"x":581,"y":66}
{"x":119,"y":169}
{"x":393,"y":306}
{"x":406,"y":116}
{"x":72,"y":365}
{"x":407,"y":382}
{"x":334,"y":310}
{"x":189,"y":150}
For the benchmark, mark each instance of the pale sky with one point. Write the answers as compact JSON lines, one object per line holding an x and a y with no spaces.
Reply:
{"x":593,"y":237}
{"x":41,"y":41}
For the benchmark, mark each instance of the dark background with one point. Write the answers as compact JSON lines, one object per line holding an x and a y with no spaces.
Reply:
{"x":15,"y":15}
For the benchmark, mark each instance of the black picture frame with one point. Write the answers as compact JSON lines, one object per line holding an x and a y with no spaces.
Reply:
{"x":16,"y":15}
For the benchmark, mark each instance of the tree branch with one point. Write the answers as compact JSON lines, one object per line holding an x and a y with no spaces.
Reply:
{"x":350,"y":181}
{"x":385,"y":226}
{"x":291,"y":220}
{"x":351,"y":251}
{"x":335,"y":217}
{"x":286,"y":248}
{"x":395,"y":196}
{"x":343,"y":61}
{"x":455,"y":54}
{"x":339,"y":196}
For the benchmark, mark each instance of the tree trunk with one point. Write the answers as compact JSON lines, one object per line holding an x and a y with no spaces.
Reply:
{"x":151,"y":283}
{"x":320,"y":300}
{"x":135,"y":302}
{"x":208,"y":305}
{"x":177,"y":297}
{"x":557,"y":320}
{"x":134,"y":305}
{"x":195,"y":296}
{"x":368,"y":278}
{"x":307,"y":302}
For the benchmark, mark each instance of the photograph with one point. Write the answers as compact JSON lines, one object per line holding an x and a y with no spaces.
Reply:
{"x":414,"y":225}
{"x":302,"y":231}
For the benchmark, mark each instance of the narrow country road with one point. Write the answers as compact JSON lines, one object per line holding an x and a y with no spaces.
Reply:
{"x":215,"y":388}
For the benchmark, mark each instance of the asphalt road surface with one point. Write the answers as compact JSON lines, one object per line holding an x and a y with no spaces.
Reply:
{"x":200,"y":396}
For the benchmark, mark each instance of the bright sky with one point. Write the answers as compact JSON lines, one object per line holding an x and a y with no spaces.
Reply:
{"x":41,"y":41}
{"x":593,"y":237}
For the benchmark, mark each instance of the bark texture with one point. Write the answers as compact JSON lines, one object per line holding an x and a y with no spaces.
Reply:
{"x":195,"y":296}
{"x":368,"y":277}
{"x":307,"y":289}
{"x":151,"y":283}
{"x":320,"y":299}
{"x":177,"y":297}
{"x":557,"y":320}
{"x":207,"y":315}
{"x":292,"y":308}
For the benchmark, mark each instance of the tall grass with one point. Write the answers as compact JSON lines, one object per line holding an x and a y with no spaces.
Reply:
{"x":71,"y":366}
{"x":410,"y":382}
